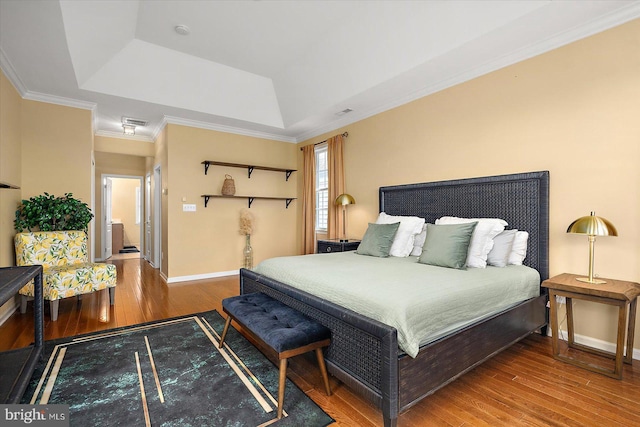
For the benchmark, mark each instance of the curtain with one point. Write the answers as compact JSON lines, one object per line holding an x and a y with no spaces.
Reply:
{"x":309,"y":200}
{"x":335,"y":158}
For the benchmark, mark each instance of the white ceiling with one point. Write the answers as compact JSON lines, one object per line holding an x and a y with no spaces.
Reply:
{"x":276,"y":69}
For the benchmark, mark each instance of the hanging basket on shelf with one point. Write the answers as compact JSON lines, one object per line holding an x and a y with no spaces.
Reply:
{"x":228,"y":186}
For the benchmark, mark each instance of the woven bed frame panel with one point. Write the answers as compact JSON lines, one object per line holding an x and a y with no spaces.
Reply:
{"x":520,"y":199}
{"x":364,"y":353}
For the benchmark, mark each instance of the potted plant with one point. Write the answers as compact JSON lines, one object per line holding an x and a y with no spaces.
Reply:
{"x":50,"y":213}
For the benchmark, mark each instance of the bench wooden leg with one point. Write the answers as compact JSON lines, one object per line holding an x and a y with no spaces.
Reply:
{"x":323,"y":370}
{"x":224,"y":331}
{"x":283,"y":379}
{"x":23,"y":303}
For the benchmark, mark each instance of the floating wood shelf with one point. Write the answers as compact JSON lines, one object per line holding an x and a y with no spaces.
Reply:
{"x":7,"y":185}
{"x":288,"y":200}
{"x":250,"y":168}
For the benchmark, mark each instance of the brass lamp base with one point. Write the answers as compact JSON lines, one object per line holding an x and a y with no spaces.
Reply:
{"x":594,"y":281}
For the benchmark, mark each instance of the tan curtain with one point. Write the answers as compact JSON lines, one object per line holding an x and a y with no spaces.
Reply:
{"x":335,"y":158}
{"x":309,"y":200}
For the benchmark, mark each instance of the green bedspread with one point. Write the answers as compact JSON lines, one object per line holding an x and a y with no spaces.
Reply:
{"x":422,"y":302}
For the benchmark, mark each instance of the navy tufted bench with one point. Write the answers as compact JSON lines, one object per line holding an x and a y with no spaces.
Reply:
{"x":280,"y":327}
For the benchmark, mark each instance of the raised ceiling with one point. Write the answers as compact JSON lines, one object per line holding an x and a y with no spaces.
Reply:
{"x":276,"y":69}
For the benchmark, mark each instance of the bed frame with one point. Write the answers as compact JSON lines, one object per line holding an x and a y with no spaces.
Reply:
{"x":364,"y":353}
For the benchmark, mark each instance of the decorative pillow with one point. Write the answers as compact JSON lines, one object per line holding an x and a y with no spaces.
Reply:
{"x":418,"y":241}
{"x":377,"y":240}
{"x":502,"y":244}
{"x":482,"y":239}
{"x":447,"y":245}
{"x":519,"y":249}
{"x":410,"y":226}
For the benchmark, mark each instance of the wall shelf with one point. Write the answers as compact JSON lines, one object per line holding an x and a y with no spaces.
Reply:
{"x":7,"y":185}
{"x":250,"y":168}
{"x":250,"y":199}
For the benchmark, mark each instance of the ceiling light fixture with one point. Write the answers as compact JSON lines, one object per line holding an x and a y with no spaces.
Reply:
{"x":129,"y":129}
{"x":183,"y":30}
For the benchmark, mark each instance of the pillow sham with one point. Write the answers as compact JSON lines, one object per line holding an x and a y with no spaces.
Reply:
{"x":519,"y":248}
{"x":482,"y":239}
{"x":405,"y":236}
{"x":446,"y":245}
{"x":377,"y":240}
{"x":502,"y":245}
{"x":418,"y":242}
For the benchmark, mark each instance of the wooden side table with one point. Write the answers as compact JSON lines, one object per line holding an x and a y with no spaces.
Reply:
{"x":615,"y":292}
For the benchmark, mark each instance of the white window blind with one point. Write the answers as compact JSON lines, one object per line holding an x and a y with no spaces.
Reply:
{"x":322,"y":188}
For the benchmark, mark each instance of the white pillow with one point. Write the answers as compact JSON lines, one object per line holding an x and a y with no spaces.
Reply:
{"x":410,"y":226}
{"x":481,"y":239}
{"x":502,"y":245}
{"x":418,"y":242}
{"x":519,"y":248}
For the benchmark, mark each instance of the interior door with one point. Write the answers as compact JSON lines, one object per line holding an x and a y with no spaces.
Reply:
{"x":147,"y":221}
{"x":108,"y":227}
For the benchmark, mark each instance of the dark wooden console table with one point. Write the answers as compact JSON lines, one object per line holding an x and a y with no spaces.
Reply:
{"x":17,"y":366}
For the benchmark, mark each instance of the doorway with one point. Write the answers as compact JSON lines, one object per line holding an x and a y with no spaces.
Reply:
{"x":122,"y":207}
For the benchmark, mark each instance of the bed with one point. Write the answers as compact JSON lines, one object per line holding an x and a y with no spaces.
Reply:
{"x":364,"y":352}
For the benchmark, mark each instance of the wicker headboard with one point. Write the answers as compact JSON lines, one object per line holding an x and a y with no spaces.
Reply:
{"x":520,"y":199}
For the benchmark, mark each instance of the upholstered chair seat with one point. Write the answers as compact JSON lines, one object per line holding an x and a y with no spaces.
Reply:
{"x":67,"y":271}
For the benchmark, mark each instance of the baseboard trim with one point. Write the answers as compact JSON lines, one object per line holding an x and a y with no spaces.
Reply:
{"x":179,"y":279}
{"x":9,"y":312}
{"x":595,"y":343}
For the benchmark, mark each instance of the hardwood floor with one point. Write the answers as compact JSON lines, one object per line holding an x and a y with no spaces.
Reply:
{"x":522,"y":386}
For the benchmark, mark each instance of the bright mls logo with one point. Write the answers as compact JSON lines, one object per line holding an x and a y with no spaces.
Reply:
{"x":35,"y":415}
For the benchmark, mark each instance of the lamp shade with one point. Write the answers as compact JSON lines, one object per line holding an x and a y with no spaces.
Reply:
{"x":592,"y":225}
{"x":345,"y":199}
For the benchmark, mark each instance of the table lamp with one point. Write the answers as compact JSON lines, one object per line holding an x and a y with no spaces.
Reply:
{"x":592,"y":226}
{"x":344,"y":200}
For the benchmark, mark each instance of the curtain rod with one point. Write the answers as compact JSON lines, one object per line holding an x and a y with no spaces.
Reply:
{"x":344,"y":135}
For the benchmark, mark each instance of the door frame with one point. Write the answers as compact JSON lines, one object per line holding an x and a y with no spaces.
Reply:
{"x":104,"y":208}
{"x":157,"y":216}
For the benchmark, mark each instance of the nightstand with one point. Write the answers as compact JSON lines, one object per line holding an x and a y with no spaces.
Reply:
{"x":615,"y":292}
{"x":335,"y":245}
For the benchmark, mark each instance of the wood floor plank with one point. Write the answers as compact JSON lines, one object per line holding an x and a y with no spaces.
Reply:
{"x":522,"y":386}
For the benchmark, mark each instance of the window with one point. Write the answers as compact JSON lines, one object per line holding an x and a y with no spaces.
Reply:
{"x":322,"y":188}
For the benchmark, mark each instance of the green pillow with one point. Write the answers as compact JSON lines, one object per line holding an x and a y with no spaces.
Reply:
{"x":377,"y":239}
{"x":447,"y":245}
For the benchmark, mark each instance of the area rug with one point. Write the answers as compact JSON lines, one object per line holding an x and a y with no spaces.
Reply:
{"x":167,"y":373}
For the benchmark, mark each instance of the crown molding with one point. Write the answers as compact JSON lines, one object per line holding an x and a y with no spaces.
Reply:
{"x":120,"y":135}
{"x":618,"y":17}
{"x":606,"y":22}
{"x":159,"y":128}
{"x":60,"y":100}
{"x":227,"y":129}
{"x":10,"y":72}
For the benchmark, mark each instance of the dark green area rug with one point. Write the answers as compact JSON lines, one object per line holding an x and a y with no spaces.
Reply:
{"x":167,"y":373}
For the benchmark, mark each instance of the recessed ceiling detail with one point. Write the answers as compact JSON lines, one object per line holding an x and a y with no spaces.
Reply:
{"x":274,"y":69}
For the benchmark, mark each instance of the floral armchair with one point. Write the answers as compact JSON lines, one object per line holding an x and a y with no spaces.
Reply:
{"x":67,"y":271}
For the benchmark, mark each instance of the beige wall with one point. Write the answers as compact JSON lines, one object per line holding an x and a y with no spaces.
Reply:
{"x":132,"y":147}
{"x":56,"y":150}
{"x":123,"y":208}
{"x":574,"y":111}
{"x":208,"y":241}
{"x":10,"y":173}
{"x":10,"y":166}
{"x":108,"y":163}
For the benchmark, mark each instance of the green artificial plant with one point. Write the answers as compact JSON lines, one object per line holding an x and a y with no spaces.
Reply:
{"x":50,"y":213}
